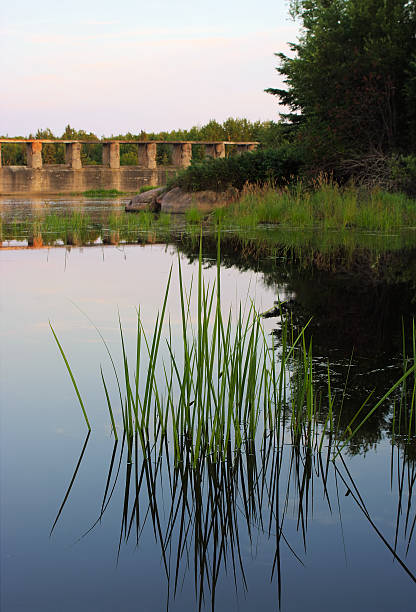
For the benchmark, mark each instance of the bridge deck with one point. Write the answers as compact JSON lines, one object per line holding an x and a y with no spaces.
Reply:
{"x":110,"y":140}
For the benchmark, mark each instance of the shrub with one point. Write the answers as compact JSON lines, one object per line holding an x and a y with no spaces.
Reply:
{"x":277,"y":166}
{"x":403,"y":171}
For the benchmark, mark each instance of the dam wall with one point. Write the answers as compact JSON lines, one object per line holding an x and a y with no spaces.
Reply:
{"x":37,"y":177}
{"x":19,"y":180}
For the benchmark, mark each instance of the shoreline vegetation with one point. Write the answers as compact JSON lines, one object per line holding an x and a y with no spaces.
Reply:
{"x":100,"y":193}
{"x":326,"y":209}
{"x":107,"y":193}
{"x":327,"y":206}
{"x":275,"y":186}
{"x":111,"y":193}
{"x":238,"y":437}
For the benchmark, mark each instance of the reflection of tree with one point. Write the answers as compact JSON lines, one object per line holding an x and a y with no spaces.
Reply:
{"x":357,"y":298}
{"x":360,"y":301}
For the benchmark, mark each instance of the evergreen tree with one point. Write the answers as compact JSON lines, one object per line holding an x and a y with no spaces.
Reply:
{"x":351,"y":85}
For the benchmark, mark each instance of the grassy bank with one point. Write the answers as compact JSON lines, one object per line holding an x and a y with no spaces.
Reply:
{"x":325,"y":216}
{"x":326,"y":206}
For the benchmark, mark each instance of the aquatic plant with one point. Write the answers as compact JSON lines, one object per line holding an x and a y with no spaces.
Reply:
{"x":193,"y":215}
{"x":230,"y":383}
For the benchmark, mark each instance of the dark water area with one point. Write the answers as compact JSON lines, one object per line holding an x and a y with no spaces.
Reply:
{"x":88,"y":524}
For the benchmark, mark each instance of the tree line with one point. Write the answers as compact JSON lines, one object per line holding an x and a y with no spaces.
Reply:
{"x":350,"y":87}
{"x":268,"y":133}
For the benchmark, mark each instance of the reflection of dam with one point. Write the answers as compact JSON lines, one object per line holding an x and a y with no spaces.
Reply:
{"x":72,"y":176}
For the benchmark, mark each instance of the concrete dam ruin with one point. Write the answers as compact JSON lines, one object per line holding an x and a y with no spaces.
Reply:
{"x":36,"y":177}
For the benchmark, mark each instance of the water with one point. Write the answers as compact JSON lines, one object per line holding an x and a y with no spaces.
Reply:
{"x":23,"y":207}
{"x":183,"y":538}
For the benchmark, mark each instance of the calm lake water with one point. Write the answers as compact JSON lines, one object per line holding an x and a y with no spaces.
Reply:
{"x":144,"y":535}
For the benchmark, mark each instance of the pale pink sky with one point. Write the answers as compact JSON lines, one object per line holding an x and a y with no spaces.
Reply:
{"x":113,"y":71}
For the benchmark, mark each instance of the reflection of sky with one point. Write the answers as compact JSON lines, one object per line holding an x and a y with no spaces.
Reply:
{"x":43,"y":285}
{"x":126,"y":66}
{"x":42,"y":434}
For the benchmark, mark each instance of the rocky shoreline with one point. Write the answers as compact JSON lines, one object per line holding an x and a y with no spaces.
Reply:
{"x":178,"y":201}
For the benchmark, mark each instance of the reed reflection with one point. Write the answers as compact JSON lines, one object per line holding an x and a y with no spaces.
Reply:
{"x":202,"y":515}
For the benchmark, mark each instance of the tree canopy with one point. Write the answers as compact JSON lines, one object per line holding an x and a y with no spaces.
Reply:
{"x":351,"y":82}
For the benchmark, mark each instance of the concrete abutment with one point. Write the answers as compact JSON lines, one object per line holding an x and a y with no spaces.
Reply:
{"x":147,"y":155}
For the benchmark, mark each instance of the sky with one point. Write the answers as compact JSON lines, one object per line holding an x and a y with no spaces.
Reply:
{"x":132,"y":65}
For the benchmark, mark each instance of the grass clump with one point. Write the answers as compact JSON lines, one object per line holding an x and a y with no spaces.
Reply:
{"x":228,"y":384}
{"x":327,"y":206}
{"x":145,"y":188}
{"x":194,"y":216}
{"x":102,"y":193}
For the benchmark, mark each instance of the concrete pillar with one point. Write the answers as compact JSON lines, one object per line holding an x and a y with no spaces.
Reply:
{"x":243,"y":148}
{"x":106,"y":154}
{"x":147,"y":155}
{"x":34,"y":154}
{"x":215,"y":150}
{"x":182,"y":154}
{"x":73,"y":155}
{"x":0,"y":154}
{"x":111,"y":154}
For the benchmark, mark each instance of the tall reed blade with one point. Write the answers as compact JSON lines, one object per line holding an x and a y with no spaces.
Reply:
{"x":109,"y":405}
{"x":71,"y":376}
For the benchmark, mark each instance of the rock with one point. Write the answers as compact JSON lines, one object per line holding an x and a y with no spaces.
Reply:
{"x":178,"y":201}
{"x":145,"y":201}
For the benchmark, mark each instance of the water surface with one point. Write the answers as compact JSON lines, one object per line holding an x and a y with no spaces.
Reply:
{"x":207,"y":537}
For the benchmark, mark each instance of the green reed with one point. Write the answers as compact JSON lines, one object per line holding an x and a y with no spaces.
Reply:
{"x":71,"y":376}
{"x":228,"y":383}
{"x":403,"y":421}
{"x":327,"y":206}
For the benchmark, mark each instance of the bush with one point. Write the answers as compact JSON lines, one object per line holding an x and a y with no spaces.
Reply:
{"x":403,"y":171}
{"x":278,"y":166}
